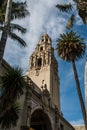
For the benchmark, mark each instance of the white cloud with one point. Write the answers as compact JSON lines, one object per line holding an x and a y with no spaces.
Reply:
{"x":43,"y":19}
{"x":77,"y":122}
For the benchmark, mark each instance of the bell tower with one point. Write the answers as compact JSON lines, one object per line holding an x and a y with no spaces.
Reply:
{"x":43,"y":68}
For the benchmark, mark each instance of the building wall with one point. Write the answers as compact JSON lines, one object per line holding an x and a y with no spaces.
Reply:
{"x":43,"y":92}
{"x":79,"y":127}
{"x":38,"y":76}
{"x":45,"y":72}
{"x":55,"y":88}
{"x":64,"y":125}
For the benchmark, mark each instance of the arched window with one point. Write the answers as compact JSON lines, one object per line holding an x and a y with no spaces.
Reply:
{"x":42,"y":40}
{"x":41,"y":48}
{"x":39,"y":62}
{"x":46,"y":39}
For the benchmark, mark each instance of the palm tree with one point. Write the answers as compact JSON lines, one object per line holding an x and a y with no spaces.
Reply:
{"x":70,"y":47}
{"x":12,"y":87}
{"x":82,"y":9}
{"x":81,"y":6}
{"x":18,"y":11}
{"x":10,"y":117}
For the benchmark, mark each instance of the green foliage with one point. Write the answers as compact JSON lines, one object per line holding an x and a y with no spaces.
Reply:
{"x":81,"y":6}
{"x":21,"y":42}
{"x":12,"y":86}
{"x":65,"y":7}
{"x":13,"y":36}
{"x":17,"y":27}
{"x":13,"y":83}
{"x":70,"y":21}
{"x":10,"y":117}
{"x":70,"y":46}
{"x":82,"y":10}
{"x":19,"y":10}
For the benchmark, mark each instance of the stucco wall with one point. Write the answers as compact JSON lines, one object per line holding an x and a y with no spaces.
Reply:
{"x":79,"y":127}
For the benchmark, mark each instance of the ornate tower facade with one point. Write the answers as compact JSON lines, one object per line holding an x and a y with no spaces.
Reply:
{"x":43,"y":68}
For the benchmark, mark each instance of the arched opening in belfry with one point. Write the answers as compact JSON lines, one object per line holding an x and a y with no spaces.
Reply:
{"x":41,"y":48}
{"x":39,"y":62}
{"x":40,"y":121}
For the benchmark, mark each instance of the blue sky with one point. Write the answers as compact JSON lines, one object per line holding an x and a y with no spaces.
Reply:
{"x":45,"y":18}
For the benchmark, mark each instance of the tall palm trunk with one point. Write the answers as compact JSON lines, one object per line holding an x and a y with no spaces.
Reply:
{"x":5,"y":29}
{"x":79,"y":94}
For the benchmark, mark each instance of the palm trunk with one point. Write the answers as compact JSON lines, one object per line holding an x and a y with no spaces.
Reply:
{"x":6,"y":29}
{"x":79,"y":94}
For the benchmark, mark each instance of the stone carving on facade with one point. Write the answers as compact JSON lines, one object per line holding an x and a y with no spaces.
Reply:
{"x":40,"y":110}
{"x":45,"y":96}
{"x":44,"y":69}
{"x":28,"y":100}
{"x":43,"y":55}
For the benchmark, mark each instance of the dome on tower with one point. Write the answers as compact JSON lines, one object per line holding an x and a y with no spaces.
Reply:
{"x":45,"y":39}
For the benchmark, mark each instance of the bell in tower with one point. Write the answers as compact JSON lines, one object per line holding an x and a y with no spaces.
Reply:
{"x":44,"y":67}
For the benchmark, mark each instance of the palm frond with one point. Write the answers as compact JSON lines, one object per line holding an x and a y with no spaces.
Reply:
{"x":10,"y":117}
{"x":70,"y":21}
{"x":65,"y":7}
{"x":17,"y":107}
{"x":70,"y":46}
{"x":19,"y":10}
{"x":17,"y":27}
{"x":82,"y":10}
{"x":13,"y":83}
{"x":20,"y":41}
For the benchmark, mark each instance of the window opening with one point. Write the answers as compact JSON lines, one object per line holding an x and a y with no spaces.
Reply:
{"x":41,"y":48}
{"x":61,"y":127}
{"x":39,"y":62}
{"x":46,"y":40}
{"x":42,"y":40}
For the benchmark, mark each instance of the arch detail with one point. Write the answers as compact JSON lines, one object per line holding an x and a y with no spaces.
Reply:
{"x":40,"y":119}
